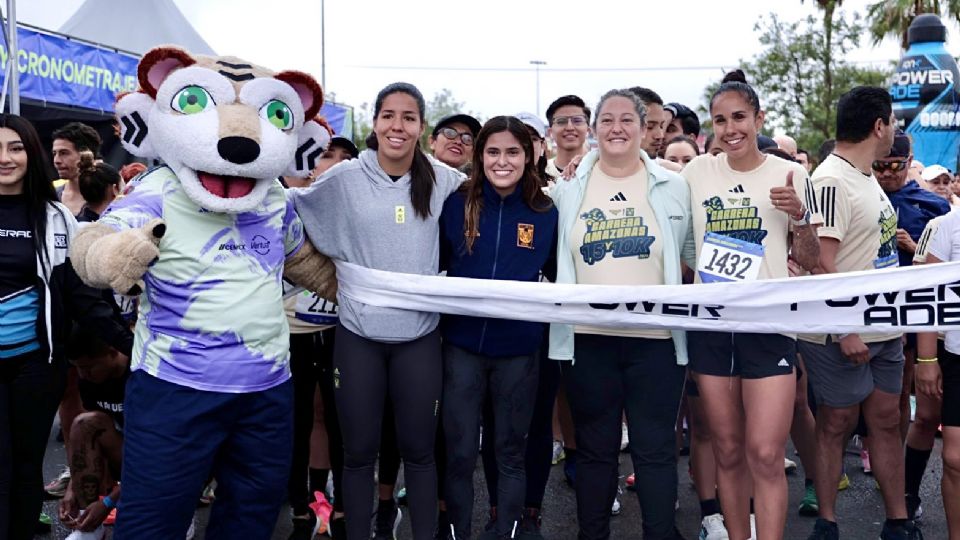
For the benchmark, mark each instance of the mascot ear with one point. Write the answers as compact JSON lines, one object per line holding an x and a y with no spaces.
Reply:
{"x":133,"y":112}
{"x":157,"y":64}
{"x":313,"y":139}
{"x":311,"y":95}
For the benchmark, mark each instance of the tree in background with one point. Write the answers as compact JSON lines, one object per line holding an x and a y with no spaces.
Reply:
{"x":440,"y":105}
{"x":891,"y":18}
{"x":801,"y":73}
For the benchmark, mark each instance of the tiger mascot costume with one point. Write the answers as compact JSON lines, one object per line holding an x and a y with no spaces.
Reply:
{"x":205,"y":241}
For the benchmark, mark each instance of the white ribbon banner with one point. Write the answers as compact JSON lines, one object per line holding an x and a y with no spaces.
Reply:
{"x":911,"y":299}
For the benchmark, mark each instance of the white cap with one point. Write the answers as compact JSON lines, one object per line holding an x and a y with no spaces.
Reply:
{"x":933,"y":171}
{"x":533,"y":121}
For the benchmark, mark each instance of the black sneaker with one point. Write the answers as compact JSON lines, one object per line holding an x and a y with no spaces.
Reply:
{"x":386,"y":520}
{"x":908,"y":531}
{"x":530,"y":525}
{"x":914,"y":510}
{"x":824,"y":530}
{"x":303,"y":527}
{"x":338,"y":529}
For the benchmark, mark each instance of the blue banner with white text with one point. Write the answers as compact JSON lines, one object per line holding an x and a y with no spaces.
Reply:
{"x":58,"y":70}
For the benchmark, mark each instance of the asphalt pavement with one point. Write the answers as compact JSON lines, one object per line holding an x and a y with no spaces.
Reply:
{"x":860,"y":507}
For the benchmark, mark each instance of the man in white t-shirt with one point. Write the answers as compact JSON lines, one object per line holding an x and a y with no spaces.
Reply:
{"x":852,"y":372}
{"x":568,"y":118}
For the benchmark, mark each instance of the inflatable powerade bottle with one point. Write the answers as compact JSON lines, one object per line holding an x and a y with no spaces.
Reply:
{"x":924,"y":91}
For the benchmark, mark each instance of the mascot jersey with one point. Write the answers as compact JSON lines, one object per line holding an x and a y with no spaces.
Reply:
{"x":211,"y":314}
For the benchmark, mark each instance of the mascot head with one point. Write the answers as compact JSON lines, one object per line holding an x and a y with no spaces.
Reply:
{"x":226,"y":127}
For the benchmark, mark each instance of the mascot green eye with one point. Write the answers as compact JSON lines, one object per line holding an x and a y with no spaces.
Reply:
{"x":277,"y":113}
{"x":191,"y":100}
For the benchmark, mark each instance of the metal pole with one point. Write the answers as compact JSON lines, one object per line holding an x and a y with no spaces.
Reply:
{"x":323,"y":47}
{"x":537,"y":64}
{"x":12,"y":56}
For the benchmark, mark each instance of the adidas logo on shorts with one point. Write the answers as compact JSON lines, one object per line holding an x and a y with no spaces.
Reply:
{"x":783,"y":363}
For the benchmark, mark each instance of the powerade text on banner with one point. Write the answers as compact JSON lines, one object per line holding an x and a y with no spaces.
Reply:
{"x":924,"y":91}
{"x":58,"y":70}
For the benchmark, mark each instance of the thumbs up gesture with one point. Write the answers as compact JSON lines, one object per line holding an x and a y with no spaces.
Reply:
{"x":785,"y":199}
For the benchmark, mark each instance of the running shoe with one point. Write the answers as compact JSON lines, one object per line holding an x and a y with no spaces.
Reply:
{"x":209,"y":493}
{"x":631,"y":482}
{"x":97,"y":534}
{"x":303,"y":527}
{"x":57,"y":487}
{"x":711,"y":528}
{"x":789,"y":466}
{"x":386,"y":520}
{"x":844,"y":482}
{"x":624,"y":437}
{"x":558,"y":453}
{"x":809,"y":506}
{"x":901,"y":532}
{"x":44,"y":524}
{"x":616,"y":508}
{"x":865,"y":461}
{"x":914,"y":510}
{"x":530,"y":525}
{"x":824,"y":530}
{"x":192,"y":529}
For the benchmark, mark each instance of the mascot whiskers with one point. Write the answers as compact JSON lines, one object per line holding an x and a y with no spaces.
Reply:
{"x":206,"y":239}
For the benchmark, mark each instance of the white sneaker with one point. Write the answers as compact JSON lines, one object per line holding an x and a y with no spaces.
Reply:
{"x":624,"y":437}
{"x":616,"y":508}
{"x":97,"y":534}
{"x":558,"y":453}
{"x":711,"y":528}
{"x":753,"y":527}
{"x":789,"y":466}
{"x":192,"y":529}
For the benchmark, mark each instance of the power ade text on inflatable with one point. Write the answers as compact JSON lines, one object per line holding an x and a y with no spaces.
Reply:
{"x":59,"y":70}
{"x":924,"y":91}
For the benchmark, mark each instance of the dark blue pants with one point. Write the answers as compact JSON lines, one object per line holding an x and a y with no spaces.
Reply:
{"x":511,"y":384}
{"x":640,"y":376}
{"x":175,"y":437}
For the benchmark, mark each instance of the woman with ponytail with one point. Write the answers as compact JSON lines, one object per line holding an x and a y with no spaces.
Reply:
{"x":500,"y":225}
{"x":99,"y":184}
{"x":764,"y":207}
{"x":381,"y":211}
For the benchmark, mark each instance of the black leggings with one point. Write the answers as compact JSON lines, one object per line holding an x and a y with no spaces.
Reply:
{"x":539,"y":456}
{"x":30,"y":391}
{"x":410,"y":374}
{"x":311,"y":363}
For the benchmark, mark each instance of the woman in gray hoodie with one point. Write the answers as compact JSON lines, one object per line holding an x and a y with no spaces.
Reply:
{"x":381,"y":212}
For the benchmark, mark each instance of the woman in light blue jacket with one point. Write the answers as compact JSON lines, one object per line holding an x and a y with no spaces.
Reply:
{"x":623,"y":220}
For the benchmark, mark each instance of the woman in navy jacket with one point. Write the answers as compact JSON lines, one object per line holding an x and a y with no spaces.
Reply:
{"x":500,"y":225}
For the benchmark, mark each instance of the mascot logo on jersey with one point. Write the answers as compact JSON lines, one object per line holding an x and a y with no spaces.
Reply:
{"x":226,"y":127}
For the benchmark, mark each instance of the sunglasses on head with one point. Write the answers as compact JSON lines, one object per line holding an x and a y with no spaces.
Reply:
{"x":450,"y":133}
{"x":892,"y":166}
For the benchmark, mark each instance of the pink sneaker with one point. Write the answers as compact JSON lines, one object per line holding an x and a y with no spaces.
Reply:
{"x":865,"y":460}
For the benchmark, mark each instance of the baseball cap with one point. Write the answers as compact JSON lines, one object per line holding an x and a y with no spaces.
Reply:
{"x":764,"y":142}
{"x":534,"y":122}
{"x":472,"y":123}
{"x":346,"y":144}
{"x":901,"y":146}
{"x":934,"y":171}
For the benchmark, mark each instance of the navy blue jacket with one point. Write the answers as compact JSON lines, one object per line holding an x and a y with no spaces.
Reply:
{"x":502,"y":251}
{"x":915,"y":206}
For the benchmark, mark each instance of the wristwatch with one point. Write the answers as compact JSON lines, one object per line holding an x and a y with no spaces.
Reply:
{"x":805,"y":220}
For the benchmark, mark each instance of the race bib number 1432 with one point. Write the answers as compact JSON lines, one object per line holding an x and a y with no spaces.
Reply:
{"x":723,"y":258}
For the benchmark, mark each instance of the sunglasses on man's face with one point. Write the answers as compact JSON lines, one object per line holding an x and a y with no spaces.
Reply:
{"x":892,"y":166}
{"x":450,"y":133}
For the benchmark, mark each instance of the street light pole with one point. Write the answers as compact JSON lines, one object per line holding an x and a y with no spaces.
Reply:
{"x":537,"y":64}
